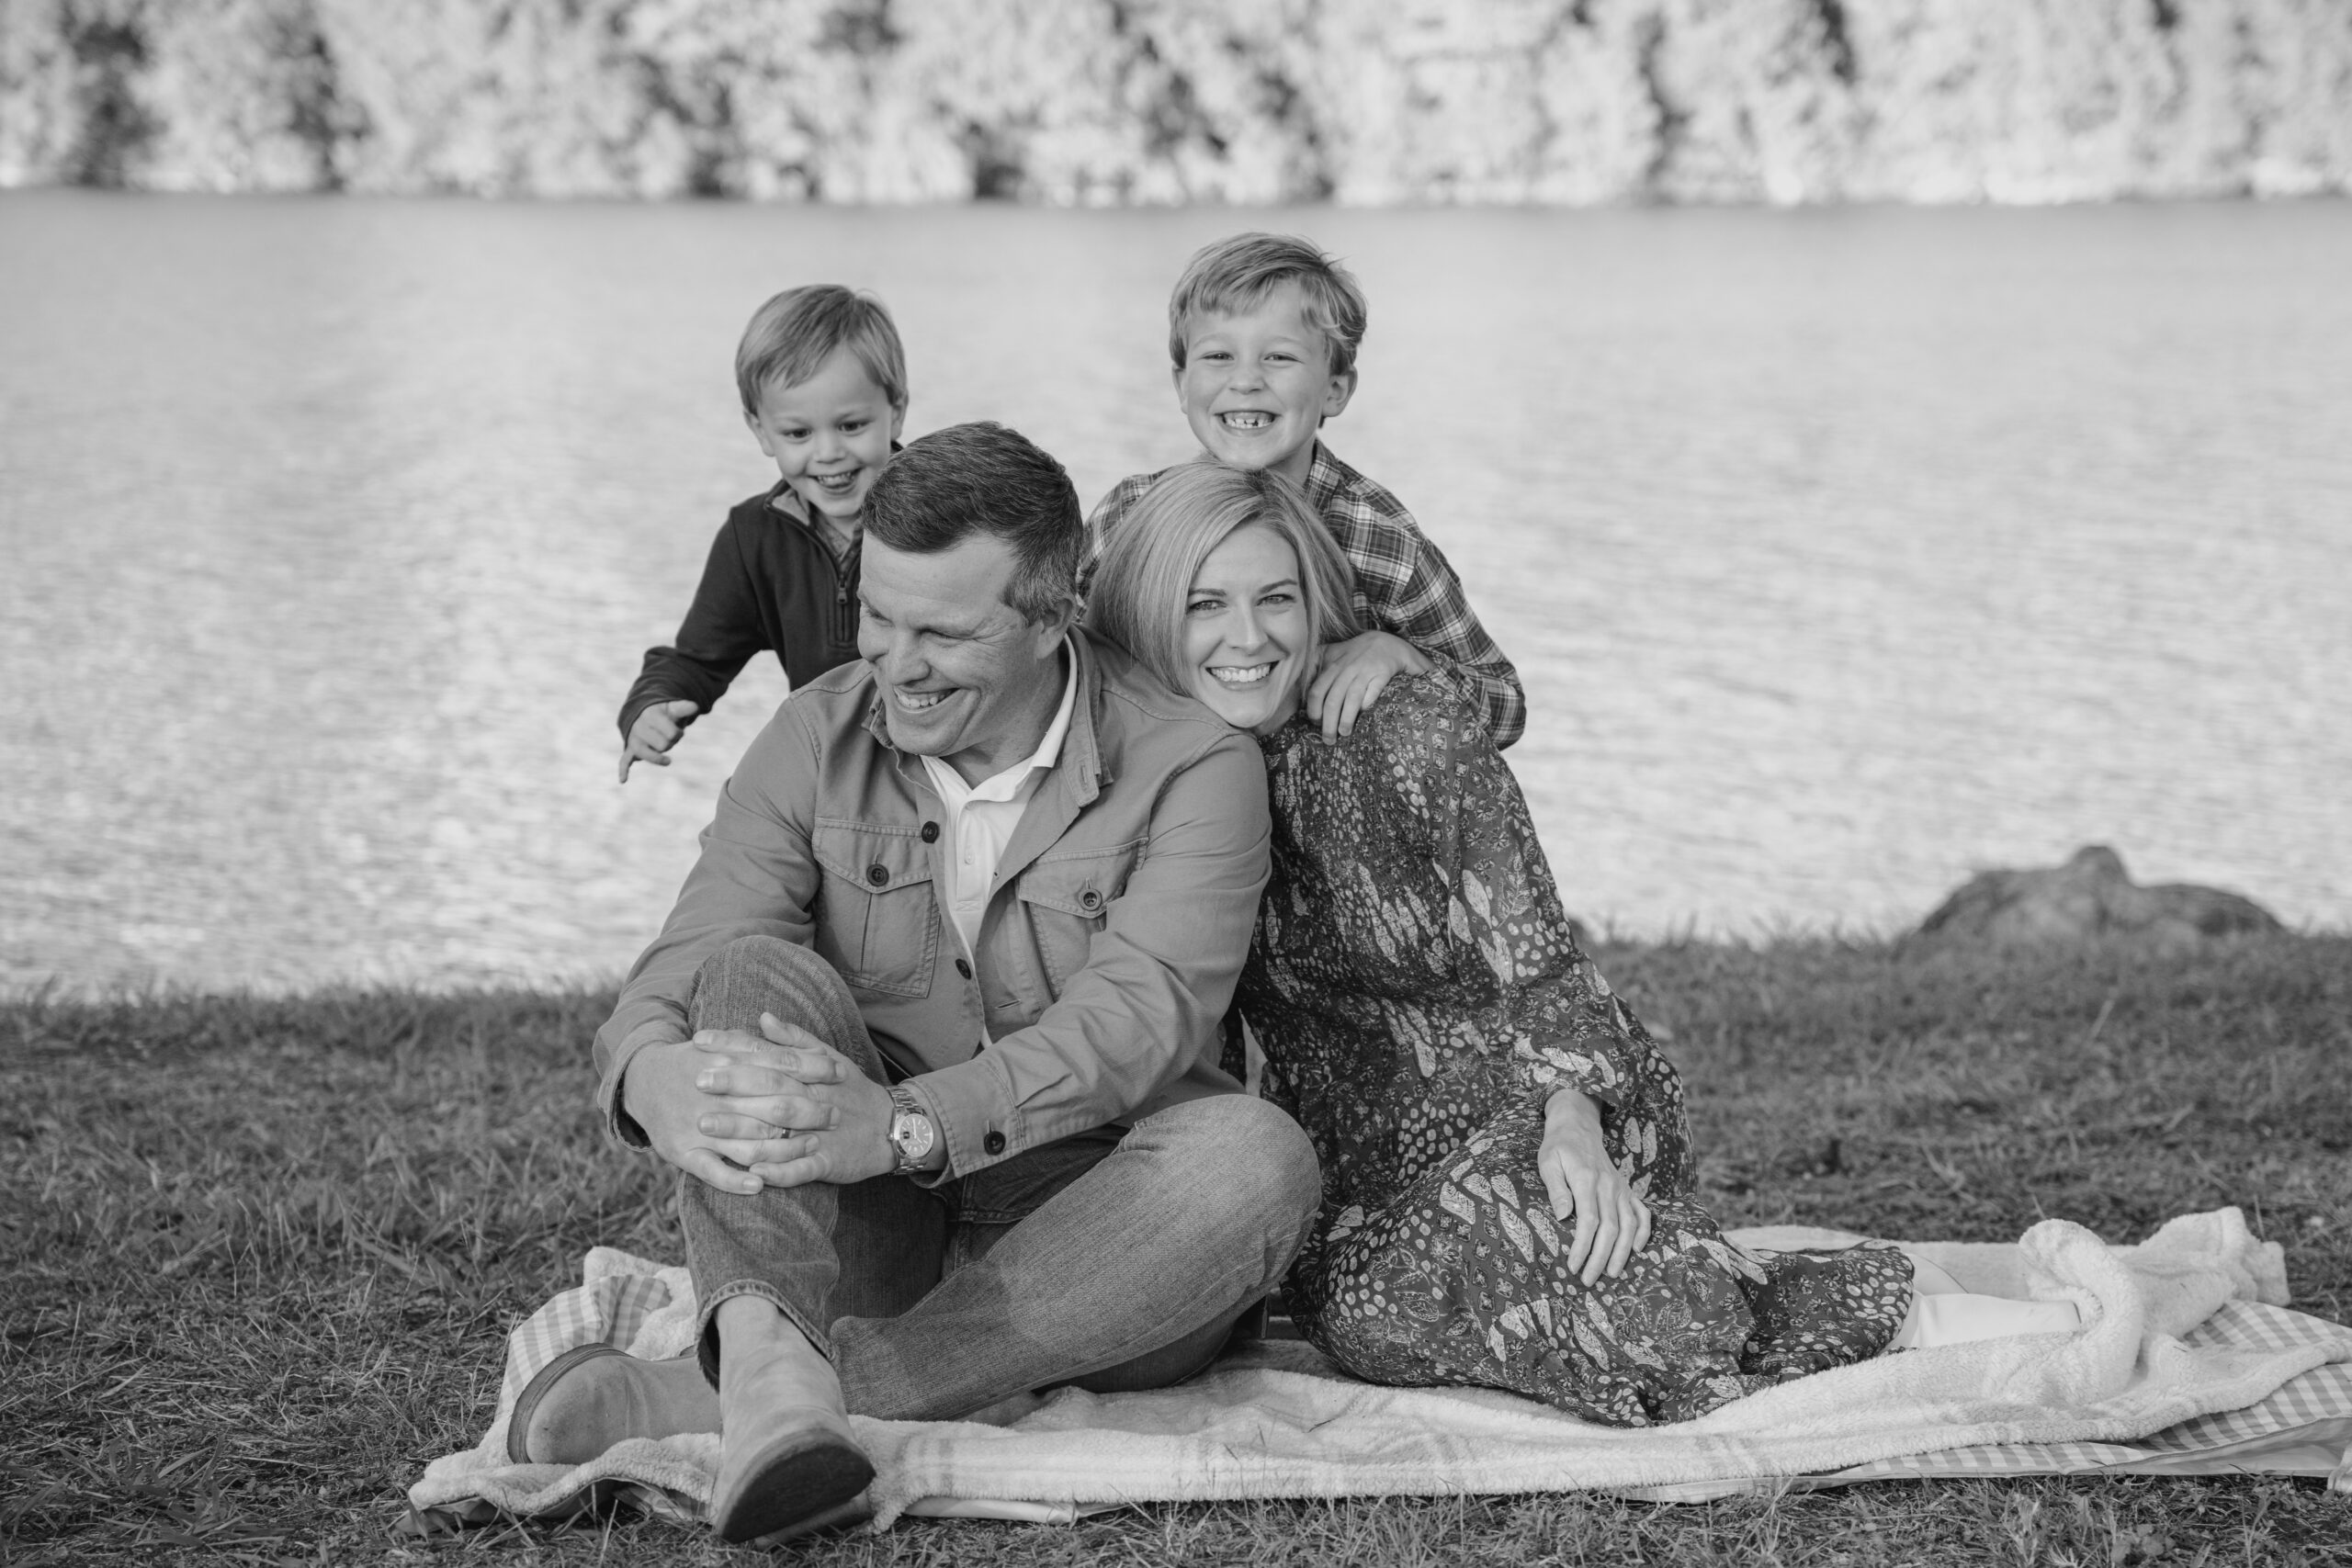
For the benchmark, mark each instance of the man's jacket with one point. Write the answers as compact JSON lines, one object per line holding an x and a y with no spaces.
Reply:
{"x":1120,"y":916}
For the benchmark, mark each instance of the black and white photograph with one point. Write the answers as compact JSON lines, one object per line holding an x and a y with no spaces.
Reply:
{"x":1307,"y":783}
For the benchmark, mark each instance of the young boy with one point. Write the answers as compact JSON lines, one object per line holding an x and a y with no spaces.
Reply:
{"x":1263,"y":330}
{"x":824,"y":386}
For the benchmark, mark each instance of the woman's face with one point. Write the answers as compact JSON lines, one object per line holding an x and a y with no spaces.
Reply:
{"x":1246,"y":642}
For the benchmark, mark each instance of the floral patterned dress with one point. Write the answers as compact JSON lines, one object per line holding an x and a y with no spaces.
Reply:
{"x":1419,"y":996}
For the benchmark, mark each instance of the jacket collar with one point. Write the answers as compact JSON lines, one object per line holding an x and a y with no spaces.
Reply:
{"x":1069,"y":786}
{"x":1078,"y":771}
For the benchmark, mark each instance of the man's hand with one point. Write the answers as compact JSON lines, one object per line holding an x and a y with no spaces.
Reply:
{"x":658,"y":1093}
{"x":657,"y":729}
{"x":1352,"y":675}
{"x":740,"y":1110}
{"x":791,"y":1108}
{"x":1612,"y":1222}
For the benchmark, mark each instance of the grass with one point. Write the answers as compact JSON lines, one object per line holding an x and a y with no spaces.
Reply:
{"x":258,"y":1257}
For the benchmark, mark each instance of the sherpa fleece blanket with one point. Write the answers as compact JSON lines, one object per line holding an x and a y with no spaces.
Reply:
{"x":2178,"y":1330}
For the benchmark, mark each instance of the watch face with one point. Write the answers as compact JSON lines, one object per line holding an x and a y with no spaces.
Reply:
{"x":911,"y":1132}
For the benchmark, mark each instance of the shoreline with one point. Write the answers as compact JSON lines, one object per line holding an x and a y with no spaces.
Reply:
{"x":1603,"y":946}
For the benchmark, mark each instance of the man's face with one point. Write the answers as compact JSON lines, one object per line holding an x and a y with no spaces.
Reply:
{"x":964,"y":675}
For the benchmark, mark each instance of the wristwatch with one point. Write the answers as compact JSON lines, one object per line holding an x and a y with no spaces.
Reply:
{"x":911,"y":1133}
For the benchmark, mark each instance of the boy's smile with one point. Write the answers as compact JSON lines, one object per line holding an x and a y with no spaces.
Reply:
{"x":829,"y":435}
{"x":1256,"y":383}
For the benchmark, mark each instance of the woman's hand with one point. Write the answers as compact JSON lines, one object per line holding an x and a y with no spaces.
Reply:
{"x":1610,"y":1220}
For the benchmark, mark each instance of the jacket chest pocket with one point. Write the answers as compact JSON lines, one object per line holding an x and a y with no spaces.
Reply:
{"x":878,"y":922}
{"x":1067,"y":896}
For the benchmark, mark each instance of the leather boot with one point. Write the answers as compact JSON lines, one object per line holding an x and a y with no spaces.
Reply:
{"x":596,"y":1395}
{"x":788,"y":1460}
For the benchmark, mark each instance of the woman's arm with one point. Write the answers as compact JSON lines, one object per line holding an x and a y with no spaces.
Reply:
{"x":1507,"y":929}
{"x":1567,"y":1041}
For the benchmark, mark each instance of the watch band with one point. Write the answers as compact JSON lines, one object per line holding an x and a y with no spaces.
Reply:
{"x":911,"y":1133}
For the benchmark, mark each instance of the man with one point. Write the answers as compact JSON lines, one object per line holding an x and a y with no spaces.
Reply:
{"x":930,"y":1033}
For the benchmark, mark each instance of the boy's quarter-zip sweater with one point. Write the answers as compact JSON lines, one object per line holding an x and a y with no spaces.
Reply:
{"x":771,"y":581}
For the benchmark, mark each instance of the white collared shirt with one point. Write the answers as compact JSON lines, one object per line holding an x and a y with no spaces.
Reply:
{"x":982,"y":816}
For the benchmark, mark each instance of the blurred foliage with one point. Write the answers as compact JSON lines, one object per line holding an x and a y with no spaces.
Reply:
{"x":1248,"y":101}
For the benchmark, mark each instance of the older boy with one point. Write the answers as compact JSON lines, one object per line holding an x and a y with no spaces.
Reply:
{"x":824,"y":381}
{"x":1263,"y":330}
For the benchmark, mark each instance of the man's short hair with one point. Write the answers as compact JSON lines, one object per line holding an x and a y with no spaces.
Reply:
{"x":790,"y":337}
{"x":1238,"y":271}
{"x":1141,"y":588}
{"x":983,"y":479}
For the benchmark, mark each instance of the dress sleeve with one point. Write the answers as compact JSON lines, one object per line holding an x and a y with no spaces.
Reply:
{"x":1511,"y":938}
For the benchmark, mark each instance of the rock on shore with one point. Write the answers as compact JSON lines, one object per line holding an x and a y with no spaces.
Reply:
{"x":1116,"y":101}
{"x":2090,"y":896}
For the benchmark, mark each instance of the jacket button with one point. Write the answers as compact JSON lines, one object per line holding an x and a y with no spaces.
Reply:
{"x":964,"y":969}
{"x":1089,"y":900}
{"x":878,"y":874}
{"x":931,"y":832}
{"x":993,"y":1143}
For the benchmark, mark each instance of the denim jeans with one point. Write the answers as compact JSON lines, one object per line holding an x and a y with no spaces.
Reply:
{"x":1109,"y":1260}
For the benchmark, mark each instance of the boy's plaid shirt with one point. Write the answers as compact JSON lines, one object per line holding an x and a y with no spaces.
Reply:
{"x":1403,"y":583}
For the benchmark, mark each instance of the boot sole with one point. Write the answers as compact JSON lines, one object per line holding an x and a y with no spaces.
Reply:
{"x":806,"y":1482}
{"x":857,"y":1510}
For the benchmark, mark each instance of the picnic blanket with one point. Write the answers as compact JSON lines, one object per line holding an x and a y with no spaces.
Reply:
{"x":2187,"y":1360}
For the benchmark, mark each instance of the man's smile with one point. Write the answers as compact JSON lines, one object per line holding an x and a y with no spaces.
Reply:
{"x":919,"y":702}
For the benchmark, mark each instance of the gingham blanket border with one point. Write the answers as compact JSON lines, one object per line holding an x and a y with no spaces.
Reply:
{"x":2320,"y":1394}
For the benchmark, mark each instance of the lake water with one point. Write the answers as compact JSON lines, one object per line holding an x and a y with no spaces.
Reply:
{"x":1842,"y":551}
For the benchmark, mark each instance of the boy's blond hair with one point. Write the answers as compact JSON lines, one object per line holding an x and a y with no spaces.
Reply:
{"x":791,"y":336}
{"x":1236,"y":272}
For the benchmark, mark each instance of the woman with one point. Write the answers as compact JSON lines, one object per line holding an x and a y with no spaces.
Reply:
{"x":1506,"y":1163}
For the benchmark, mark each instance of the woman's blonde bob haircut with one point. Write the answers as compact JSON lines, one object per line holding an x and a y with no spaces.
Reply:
{"x":1146,"y":579}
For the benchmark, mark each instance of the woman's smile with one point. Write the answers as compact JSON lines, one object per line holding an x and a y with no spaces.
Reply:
{"x":1246,"y":632}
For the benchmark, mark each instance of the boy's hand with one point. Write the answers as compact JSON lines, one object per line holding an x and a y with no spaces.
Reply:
{"x":1352,"y":676}
{"x":657,"y":729}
